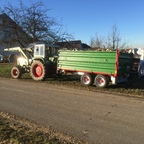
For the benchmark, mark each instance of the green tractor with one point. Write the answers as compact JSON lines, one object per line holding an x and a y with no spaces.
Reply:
{"x":39,"y":59}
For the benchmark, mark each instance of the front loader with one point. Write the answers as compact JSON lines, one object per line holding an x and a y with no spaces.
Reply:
{"x":40,"y":60}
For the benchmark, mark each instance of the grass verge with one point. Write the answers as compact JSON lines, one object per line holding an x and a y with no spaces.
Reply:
{"x":14,"y":130}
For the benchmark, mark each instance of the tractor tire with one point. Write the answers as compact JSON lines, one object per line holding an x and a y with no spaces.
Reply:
{"x":101,"y":81}
{"x":38,"y":71}
{"x":16,"y":72}
{"x":87,"y":79}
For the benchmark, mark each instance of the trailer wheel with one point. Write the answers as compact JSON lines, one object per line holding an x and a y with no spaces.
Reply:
{"x":38,"y":71}
{"x":87,"y":79}
{"x":16,"y":72}
{"x":101,"y":81}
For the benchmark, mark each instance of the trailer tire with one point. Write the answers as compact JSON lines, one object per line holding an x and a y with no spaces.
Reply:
{"x":16,"y":72}
{"x":38,"y":71}
{"x":87,"y":79}
{"x":101,"y":81}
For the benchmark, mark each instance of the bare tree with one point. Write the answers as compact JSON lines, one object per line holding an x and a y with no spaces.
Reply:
{"x":113,"y":41}
{"x":97,"y":41}
{"x":36,"y":22}
{"x":32,"y":24}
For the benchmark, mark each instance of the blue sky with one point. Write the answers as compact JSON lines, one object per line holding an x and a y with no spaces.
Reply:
{"x":85,"y":18}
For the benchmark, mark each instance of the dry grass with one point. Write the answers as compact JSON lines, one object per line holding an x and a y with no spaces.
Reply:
{"x":14,"y":130}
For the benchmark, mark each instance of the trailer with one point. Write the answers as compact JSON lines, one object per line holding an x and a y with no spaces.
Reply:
{"x":98,"y":67}
{"x":95,"y":67}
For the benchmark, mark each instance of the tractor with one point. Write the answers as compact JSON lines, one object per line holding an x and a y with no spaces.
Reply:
{"x":38,"y":59}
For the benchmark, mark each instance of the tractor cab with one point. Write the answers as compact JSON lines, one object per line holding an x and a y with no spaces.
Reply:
{"x":45,"y":51}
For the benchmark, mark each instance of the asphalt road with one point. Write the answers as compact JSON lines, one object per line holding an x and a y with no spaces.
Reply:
{"x":90,"y":116}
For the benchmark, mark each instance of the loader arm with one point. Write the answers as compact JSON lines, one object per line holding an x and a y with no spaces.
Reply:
{"x":17,"y":49}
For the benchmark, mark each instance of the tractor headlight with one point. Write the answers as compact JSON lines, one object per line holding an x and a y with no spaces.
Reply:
{"x":22,"y":61}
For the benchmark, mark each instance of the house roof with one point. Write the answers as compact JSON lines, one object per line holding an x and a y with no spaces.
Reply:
{"x":7,"y":22}
{"x":73,"y":45}
{"x":15,"y":32}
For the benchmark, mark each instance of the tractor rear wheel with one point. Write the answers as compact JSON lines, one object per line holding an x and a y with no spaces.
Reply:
{"x":16,"y":72}
{"x":38,"y":71}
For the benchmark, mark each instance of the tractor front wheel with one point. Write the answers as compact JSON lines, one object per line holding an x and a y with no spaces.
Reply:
{"x":38,"y":71}
{"x":16,"y":72}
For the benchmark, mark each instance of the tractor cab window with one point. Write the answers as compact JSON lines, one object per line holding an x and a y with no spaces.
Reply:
{"x":51,"y":51}
{"x":39,"y":51}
